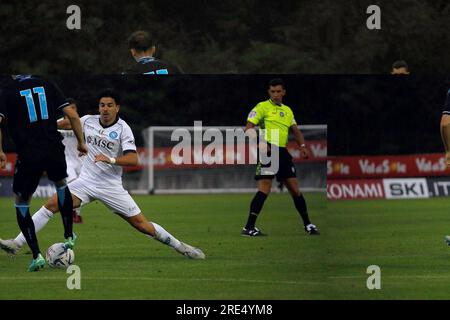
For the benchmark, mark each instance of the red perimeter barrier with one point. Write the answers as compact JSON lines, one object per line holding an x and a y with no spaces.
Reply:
{"x":163,"y":159}
{"x":163,"y":156}
{"x":369,"y":167}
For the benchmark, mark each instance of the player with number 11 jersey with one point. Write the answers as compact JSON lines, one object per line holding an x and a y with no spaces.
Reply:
{"x":111,"y":145}
{"x":29,"y":105}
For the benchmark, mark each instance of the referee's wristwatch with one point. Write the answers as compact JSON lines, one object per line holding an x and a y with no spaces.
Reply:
{"x":303,"y":145}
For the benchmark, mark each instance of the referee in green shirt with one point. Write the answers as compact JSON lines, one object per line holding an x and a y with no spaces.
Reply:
{"x":272,"y":115}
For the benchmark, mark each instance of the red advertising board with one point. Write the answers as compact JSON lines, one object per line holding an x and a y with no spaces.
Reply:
{"x":10,"y":165}
{"x":418,"y":165}
{"x":355,"y":189}
{"x":162,"y":157}
{"x":317,"y":150}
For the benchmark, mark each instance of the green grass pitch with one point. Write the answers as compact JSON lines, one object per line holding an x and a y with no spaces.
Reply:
{"x":118,"y":262}
{"x":405,"y":238}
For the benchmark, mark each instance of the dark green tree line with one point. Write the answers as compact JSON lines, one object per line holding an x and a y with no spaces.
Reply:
{"x":246,"y":36}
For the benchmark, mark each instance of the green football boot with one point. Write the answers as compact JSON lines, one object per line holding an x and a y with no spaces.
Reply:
{"x":37,"y":263}
{"x":69,"y":243}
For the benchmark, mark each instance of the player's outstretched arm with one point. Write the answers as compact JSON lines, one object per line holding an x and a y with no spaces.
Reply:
{"x":300,"y":140}
{"x":445,"y":134}
{"x":75,"y":123}
{"x":128,"y":159}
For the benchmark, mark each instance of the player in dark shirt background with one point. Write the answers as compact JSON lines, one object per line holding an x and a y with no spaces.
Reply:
{"x":143,"y":50}
{"x":29,"y":105}
{"x":445,"y":128}
{"x":400,"y":67}
{"x":445,"y":134}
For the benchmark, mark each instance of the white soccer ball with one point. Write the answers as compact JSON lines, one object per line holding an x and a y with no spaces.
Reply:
{"x":59,"y":257}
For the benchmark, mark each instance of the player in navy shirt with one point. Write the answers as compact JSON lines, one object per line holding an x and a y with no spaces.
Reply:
{"x":142,"y":51}
{"x":445,"y":128}
{"x":445,"y":133}
{"x":29,"y":105}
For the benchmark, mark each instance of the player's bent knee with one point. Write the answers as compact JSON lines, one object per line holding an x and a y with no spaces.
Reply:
{"x":76,"y":202}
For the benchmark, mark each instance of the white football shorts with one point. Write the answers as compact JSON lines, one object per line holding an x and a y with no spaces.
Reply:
{"x":73,"y":170}
{"x":115,"y":198}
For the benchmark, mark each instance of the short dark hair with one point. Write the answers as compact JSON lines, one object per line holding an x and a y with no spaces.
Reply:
{"x":400,"y":64}
{"x":109,"y":93}
{"x":72,"y":101}
{"x":140,"y":41}
{"x":277,"y":82}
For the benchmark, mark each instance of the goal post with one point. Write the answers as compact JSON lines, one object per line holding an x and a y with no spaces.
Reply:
{"x":162,"y":173}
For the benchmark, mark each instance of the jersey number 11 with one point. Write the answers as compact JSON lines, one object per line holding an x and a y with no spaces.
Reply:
{"x":30,"y":103}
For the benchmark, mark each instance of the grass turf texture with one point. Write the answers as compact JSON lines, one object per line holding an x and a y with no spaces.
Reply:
{"x":405,"y":238}
{"x":117,"y":262}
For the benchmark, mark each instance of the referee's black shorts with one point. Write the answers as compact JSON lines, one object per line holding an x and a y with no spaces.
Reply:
{"x":28,"y":171}
{"x":286,"y":168}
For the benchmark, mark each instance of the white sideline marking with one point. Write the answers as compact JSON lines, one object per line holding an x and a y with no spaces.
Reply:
{"x":168,"y":279}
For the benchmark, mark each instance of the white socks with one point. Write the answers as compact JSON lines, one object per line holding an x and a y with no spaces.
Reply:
{"x":40,"y":219}
{"x":165,"y":237}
